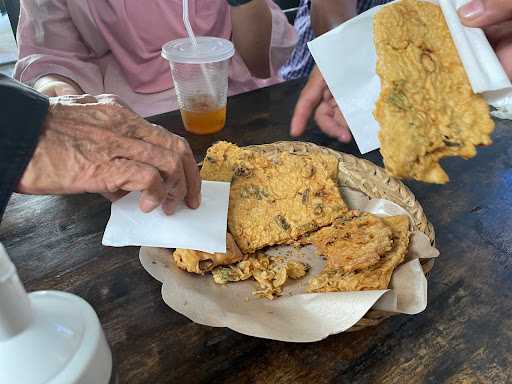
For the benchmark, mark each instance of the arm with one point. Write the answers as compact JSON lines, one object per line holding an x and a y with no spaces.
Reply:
{"x":251,"y":35}
{"x":55,"y":85}
{"x":316,"y":99}
{"x":327,"y":14}
{"x":52,"y":54}
{"x":23,"y":113}
{"x":78,"y":144}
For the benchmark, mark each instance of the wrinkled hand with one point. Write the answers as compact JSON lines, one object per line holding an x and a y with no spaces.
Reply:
{"x":495,"y":17}
{"x":316,"y":97}
{"x":94,"y":144}
{"x":54,"y":85}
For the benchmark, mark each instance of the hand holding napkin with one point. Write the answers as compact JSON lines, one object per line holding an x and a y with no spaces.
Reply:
{"x":203,"y":229}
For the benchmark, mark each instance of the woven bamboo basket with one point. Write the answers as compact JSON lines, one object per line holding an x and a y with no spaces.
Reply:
{"x":373,"y":181}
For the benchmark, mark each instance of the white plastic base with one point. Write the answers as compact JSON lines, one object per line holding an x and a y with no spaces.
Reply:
{"x":64,"y":344}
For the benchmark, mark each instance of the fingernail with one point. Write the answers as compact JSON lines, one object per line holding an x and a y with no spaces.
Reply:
{"x":472,"y":10}
{"x":345,"y":137}
{"x":147,"y":205}
{"x":169,"y":207}
{"x":195,"y":202}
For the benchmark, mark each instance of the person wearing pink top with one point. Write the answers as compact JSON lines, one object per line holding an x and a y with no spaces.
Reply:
{"x":97,"y":46}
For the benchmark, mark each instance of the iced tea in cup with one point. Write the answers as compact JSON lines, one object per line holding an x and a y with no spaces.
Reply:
{"x":200,"y":75}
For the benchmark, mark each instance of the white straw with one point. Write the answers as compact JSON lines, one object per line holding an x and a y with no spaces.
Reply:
{"x":192,"y":36}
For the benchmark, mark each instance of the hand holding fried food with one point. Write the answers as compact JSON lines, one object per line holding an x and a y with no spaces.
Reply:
{"x":426,"y":109}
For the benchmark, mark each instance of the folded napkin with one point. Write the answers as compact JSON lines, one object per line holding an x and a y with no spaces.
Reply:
{"x":203,"y":229}
{"x":346,"y":57}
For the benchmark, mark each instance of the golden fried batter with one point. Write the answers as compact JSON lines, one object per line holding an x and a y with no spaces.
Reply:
{"x":275,"y":200}
{"x":220,"y":161}
{"x":270,"y":272}
{"x":201,"y":262}
{"x":375,"y":277}
{"x":426,"y":109}
{"x":353,"y":244}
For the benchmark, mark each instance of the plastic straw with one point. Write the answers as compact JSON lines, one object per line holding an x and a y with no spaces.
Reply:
{"x":192,"y":36}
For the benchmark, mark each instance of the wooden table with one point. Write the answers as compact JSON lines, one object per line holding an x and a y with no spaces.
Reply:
{"x":464,"y":336}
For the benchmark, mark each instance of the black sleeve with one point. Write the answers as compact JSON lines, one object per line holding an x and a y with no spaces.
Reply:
{"x":22,"y":114}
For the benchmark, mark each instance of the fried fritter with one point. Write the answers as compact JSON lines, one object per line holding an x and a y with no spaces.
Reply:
{"x":270,"y":272}
{"x":426,"y":109}
{"x":202,"y":262}
{"x":220,"y":161}
{"x":376,"y":276}
{"x":275,"y":200}
{"x":353,"y":244}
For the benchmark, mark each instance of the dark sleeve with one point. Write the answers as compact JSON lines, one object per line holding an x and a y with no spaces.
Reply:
{"x":22,"y":114}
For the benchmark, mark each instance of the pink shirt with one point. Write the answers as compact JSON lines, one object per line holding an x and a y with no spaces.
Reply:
{"x":114,"y":46}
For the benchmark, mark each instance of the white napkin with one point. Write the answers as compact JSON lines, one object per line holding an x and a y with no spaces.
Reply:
{"x":203,"y":229}
{"x":346,"y":57}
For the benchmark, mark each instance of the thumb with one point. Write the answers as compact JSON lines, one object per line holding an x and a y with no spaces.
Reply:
{"x":483,"y":13}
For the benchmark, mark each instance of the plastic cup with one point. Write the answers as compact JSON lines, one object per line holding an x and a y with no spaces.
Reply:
{"x":200,"y":73}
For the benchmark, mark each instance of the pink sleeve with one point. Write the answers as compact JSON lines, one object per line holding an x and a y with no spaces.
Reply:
{"x":49,"y":43}
{"x":283,"y":40}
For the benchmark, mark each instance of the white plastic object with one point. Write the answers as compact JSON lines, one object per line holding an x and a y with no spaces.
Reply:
{"x":48,"y":336}
{"x":201,"y":50}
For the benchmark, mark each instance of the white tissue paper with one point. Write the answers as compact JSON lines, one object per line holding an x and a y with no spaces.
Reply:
{"x":203,"y":229}
{"x":296,"y":316}
{"x":347,"y":59}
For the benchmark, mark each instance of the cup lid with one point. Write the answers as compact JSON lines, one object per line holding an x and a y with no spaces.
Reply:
{"x":208,"y":50}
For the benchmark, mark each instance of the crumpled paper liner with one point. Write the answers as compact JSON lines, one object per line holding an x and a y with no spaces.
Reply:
{"x":296,"y":316}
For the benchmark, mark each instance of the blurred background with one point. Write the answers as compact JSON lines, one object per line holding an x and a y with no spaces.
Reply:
{"x":7,"y":41}
{"x":9,"y":13}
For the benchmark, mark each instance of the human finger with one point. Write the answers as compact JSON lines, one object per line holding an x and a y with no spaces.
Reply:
{"x":343,"y":133}
{"x":177,"y":164}
{"x":499,"y":32}
{"x":129,"y":175}
{"x":177,"y":193}
{"x":193,"y":179}
{"x":309,"y":99}
{"x":324,"y":118}
{"x":159,"y":136}
{"x":483,"y":13}
{"x":327,"y":95}
{"x":504,"y":52}
{"x":114,"y":196}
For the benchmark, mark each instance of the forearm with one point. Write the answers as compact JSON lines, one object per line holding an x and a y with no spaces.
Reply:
{"x":251,"y":35}
{"x":66,"y":84}
{"x":327,"y":14}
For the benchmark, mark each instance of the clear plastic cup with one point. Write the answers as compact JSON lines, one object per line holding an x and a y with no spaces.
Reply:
{"x":200,"y":75}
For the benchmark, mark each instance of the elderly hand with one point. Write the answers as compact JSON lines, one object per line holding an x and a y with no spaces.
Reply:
{"x":316,"y":97}
{"x":55,"y":85}
{"x":495,"y":17}
{"x":94,"y":144}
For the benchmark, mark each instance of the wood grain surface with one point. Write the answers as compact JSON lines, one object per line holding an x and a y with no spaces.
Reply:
{"x":464,"y":336}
